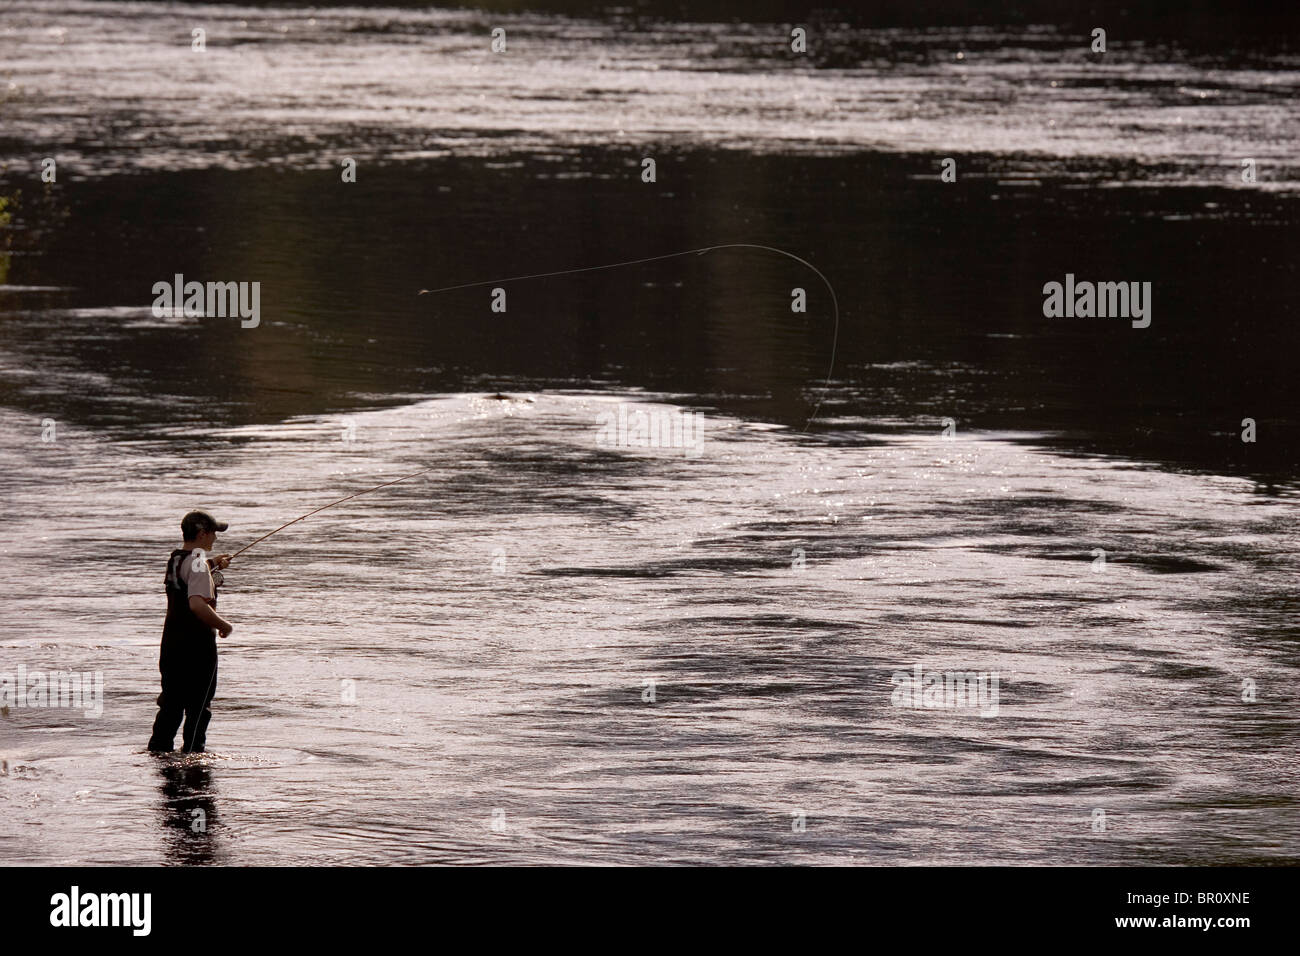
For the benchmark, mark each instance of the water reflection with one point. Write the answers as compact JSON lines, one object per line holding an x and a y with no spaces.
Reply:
{"x":188,"y":812}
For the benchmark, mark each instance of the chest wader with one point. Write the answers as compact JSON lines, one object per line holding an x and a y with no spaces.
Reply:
{"x":188,"y":663}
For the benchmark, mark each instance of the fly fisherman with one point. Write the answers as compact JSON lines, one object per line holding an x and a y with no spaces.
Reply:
{"x":188,"y":661}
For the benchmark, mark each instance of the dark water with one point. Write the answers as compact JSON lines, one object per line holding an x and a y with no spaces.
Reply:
{"x":940,"y":293}
{"x":501,"y":616}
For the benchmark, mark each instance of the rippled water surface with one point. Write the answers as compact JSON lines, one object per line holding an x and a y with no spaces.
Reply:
{"x":501,"y":615}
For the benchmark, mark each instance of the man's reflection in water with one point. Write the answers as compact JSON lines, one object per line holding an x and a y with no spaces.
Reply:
{"x":189,"y":812}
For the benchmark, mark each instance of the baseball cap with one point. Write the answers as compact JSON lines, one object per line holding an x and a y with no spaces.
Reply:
{"x":197,"y":522}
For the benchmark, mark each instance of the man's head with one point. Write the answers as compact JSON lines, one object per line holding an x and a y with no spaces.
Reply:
{"x":200,"y":529}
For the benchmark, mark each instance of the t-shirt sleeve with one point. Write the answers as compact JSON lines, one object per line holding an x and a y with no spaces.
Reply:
{"x":198,"y":583}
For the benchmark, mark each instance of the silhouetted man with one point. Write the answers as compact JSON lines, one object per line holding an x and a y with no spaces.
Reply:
{"x":188,"y":660}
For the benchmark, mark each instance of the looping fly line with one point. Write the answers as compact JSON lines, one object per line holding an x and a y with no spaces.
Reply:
{"x":612,"y":265}
{"x":672,"y":255}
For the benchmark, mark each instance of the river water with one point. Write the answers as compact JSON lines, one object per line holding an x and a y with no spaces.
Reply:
{"x":553,"y":648}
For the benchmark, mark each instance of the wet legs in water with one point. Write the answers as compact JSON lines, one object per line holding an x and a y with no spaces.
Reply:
{"x":187,"y":692}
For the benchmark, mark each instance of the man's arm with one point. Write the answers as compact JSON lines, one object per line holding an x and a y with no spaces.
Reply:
{"x":205,"y":613}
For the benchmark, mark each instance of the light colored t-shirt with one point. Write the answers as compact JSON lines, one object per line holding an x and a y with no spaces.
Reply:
{"x":197,"y":577}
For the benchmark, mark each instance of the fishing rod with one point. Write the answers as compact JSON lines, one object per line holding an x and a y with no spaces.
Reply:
{"x":331,"y":505}
{"x":219,"y":579}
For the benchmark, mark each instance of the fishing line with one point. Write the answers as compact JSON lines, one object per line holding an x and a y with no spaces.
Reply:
{"x":611,"y":265}
{"x":672,"y":255}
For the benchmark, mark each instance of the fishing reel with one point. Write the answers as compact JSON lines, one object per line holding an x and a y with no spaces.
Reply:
{"x":218,"y":578}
